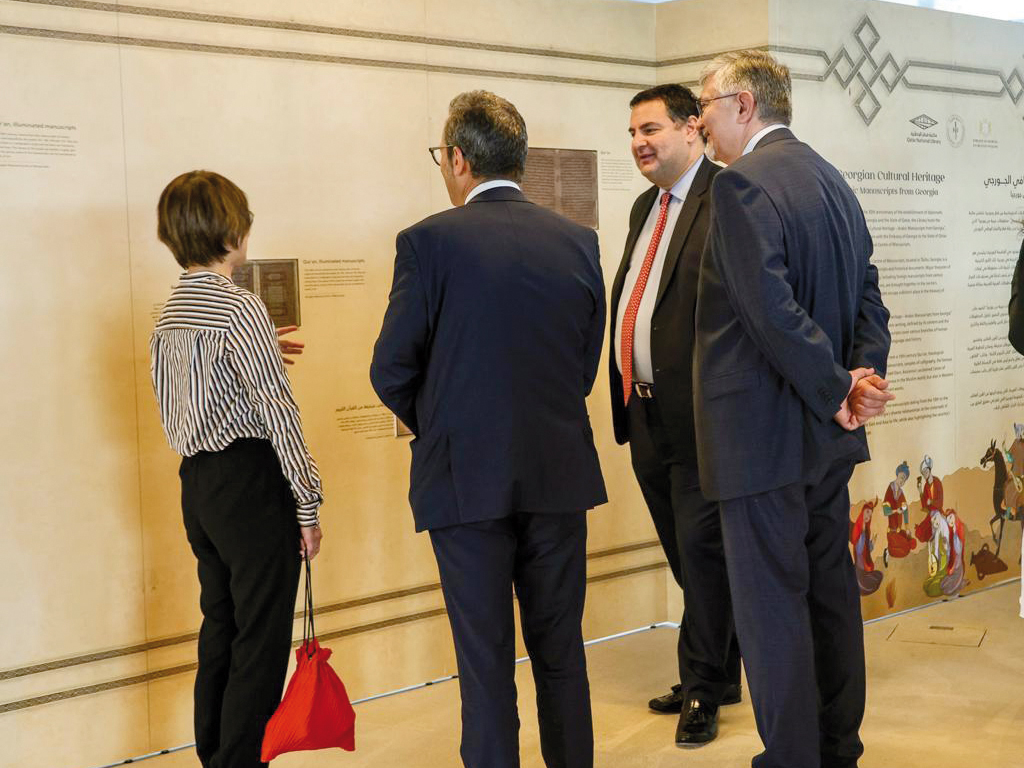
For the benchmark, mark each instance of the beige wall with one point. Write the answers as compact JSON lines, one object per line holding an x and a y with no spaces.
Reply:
{"x":689,"y":32}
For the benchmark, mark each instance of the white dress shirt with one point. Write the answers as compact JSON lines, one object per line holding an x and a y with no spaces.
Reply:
{"x":643,"y":370}
{"x":492,"y":184}
{"x":760,"y":135}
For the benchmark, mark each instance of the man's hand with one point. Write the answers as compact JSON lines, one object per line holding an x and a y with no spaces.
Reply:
{"x":869,"y":396}
{"x":309,"y":545}
{"x":846,"y":417}
{"x":289,"y":346}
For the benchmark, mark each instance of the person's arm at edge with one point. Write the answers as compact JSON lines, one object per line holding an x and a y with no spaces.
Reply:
{"x":399,"y":354}
{"x":595,"y":342}
{"x":871,"y":339}
{"x":1016,"y":308}
{"x":746,"y":226}
{"x":257,"y":360}
{"x":871,"y":342}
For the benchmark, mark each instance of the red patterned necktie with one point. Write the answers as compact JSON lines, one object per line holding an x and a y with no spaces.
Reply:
{"x":629,"y":317}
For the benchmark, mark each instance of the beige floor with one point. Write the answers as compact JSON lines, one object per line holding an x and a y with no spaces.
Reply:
{"x":929,"y":705}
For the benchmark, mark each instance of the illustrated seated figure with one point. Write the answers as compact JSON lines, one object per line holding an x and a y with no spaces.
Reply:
{"x":938,"y":554}
{"x":954,"y":580}
{"x":868,"y":578}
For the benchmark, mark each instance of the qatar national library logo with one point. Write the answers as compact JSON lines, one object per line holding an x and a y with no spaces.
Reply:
{"x":924,"y":122}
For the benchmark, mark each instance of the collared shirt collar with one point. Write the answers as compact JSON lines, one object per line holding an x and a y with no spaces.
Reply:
{"x":681,"y":188}
{"x":492,"y":184}
{"x":760,"y":135}
{"x":204,"y":274}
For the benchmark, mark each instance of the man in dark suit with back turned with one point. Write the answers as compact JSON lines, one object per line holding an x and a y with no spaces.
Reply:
{"x":792,"y":341}
{"x":650,"y":364}
{"x":489,"y":347}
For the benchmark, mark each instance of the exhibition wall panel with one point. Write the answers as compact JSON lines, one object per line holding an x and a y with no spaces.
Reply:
{"x":927,"y":128}
{"x":323,"y":118}
{"x":72,"y":564}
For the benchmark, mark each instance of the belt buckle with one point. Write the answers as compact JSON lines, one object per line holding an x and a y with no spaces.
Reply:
{"x":643,"y":390}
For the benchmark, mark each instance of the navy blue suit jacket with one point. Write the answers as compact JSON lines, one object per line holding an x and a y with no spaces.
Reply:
{"x":788,"y":303}
{"x":489,"y":347}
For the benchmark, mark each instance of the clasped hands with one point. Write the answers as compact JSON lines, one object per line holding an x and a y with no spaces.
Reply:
{"x":866,"y":399}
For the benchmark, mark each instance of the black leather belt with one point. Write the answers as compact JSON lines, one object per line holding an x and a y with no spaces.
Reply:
{"x":643,"y":391}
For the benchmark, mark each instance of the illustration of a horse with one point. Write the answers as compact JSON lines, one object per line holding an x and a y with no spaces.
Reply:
{"x":1007,"y":493}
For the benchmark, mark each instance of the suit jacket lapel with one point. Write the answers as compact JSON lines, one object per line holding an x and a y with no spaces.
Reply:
{"x":643,"y":208}
{"x":693,"y":202}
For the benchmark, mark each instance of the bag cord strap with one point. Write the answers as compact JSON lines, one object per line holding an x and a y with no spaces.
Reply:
{"x":308,"y":631}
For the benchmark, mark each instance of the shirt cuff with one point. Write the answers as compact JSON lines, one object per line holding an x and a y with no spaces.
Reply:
{"x":308,"y":516}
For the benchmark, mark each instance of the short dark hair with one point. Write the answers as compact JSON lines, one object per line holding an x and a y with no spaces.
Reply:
{"x":491,"y":134}
{"x":680,"y":103}
{"x":200,"y":216}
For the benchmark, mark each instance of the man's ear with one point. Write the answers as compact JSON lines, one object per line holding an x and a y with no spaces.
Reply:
{"x":692,"y":129}
{"x":459,"y":162}
{"x":747,"y":106}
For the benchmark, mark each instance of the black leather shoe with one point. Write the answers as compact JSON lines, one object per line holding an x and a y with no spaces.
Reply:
{"x":669,"y":704}
{"x":698,"y":724}
{"x":672,"y":702}
{"x":733,"y":695}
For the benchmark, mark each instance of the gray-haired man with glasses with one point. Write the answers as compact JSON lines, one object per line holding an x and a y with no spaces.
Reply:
{"x":791,"y":344}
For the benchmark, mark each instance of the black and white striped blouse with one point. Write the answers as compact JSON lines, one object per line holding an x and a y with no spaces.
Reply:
{"x":218,"y":376}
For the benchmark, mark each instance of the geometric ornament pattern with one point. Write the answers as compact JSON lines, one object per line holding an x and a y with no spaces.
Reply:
{"x":874,"y":75}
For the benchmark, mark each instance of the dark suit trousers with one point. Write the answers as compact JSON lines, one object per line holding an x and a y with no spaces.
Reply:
{"x":797,"y":610}
{"x":544,"y":557}
{"x":690,"y":532}
{"x":240,"y":520}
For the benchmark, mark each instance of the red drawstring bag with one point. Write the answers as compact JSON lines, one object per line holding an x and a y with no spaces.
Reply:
{"x":315,"y":712}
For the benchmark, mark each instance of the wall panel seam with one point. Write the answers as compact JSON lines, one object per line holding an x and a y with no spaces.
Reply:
{"x":288,"y":26}
{"x":109,"y":685}
{"x":267,"y":53}
{"x":129,"y":650}
{"x":365,"y":34}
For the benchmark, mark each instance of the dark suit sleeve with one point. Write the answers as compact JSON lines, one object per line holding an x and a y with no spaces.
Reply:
{"x":1017,"y":306}
{"x":871,"y":338}
{"x":595,"y":338}
{"x":400,"y":354}
{"x":750,"y":256}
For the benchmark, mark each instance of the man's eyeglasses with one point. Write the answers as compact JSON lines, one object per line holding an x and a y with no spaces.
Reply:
{"x":435,"y":153}
{"x":703,"y":104}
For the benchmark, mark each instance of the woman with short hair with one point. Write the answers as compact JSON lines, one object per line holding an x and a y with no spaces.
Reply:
{"x":250,"y":491}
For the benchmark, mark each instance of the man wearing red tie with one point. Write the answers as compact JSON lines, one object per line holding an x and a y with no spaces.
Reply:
{"x":652,"y":330}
